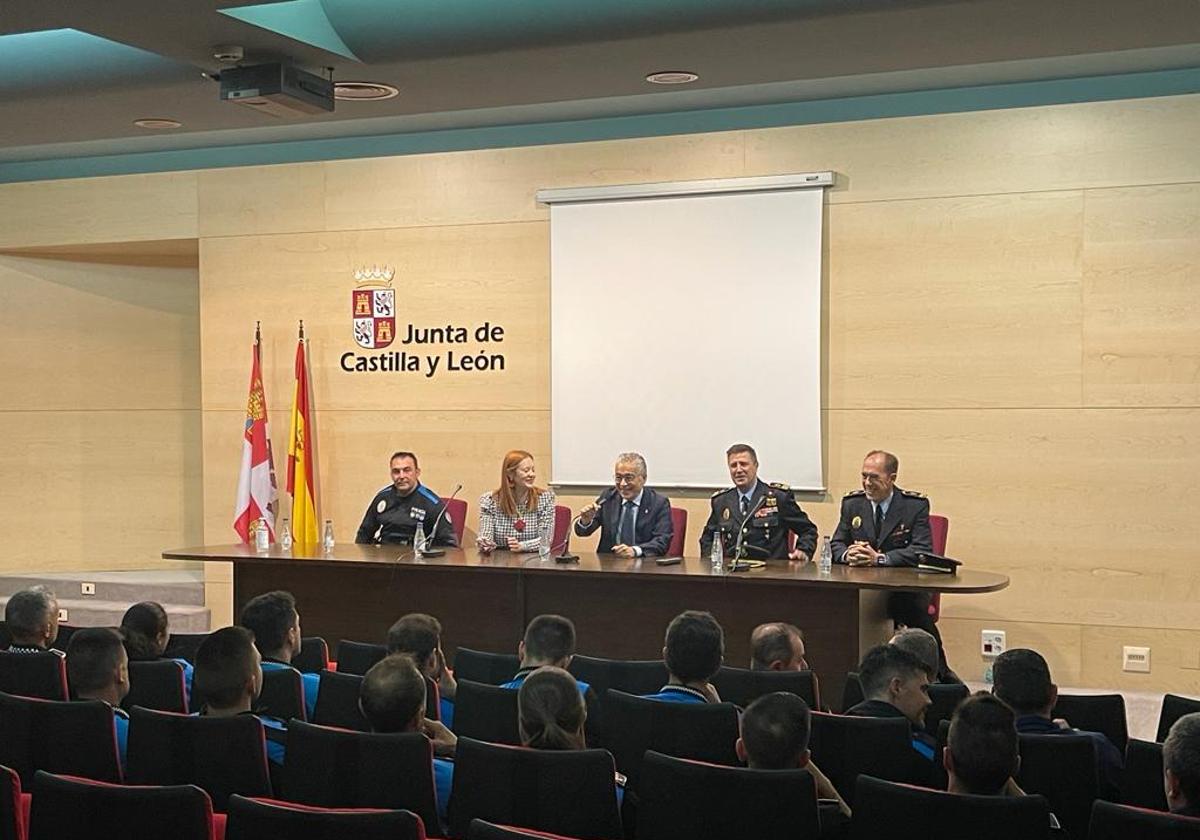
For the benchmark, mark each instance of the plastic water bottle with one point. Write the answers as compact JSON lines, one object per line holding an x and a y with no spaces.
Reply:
{"x":262,"y":535}
{"x":825,"y":563}
{"x":718,"y":553}
{"x":419,"y":541}
{"x":285,"y":536}
{"x":544,"y":547}
{"x":327,"y":541}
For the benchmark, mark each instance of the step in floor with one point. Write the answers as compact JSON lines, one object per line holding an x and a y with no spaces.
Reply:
{"x":180,"y":591}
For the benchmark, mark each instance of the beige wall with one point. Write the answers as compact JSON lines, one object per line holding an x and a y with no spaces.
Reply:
{"x":1012,"y":307}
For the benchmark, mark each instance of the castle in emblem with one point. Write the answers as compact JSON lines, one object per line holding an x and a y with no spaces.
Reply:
{"x":373,"y":307}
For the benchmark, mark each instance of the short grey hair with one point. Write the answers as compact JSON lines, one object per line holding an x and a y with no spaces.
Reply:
{"x":633,"y":458}
{"x":28,"y":611}
{"x":1181,"y":755}
{"x":920,"y":644}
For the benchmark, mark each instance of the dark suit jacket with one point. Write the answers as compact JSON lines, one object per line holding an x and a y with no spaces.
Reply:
{"x":652,"y":531}
{"x":905,"y":527}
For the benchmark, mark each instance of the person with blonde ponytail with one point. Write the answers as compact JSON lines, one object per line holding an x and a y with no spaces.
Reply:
{"x":518,"y":514}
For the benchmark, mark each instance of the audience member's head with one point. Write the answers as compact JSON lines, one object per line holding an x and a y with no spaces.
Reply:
{"x":550,"y":711}
{"x":97,"y":666}
{"x":419,"y":636}
{"x":1181,"y":765}
{"x":694,"y":648}
{"x":228,"y":671}
{"x":144,"y":628}
{"x":1021,"y":678}
{"x":981,"y":749}
{"x":32,"y":617}
{"x":392,"y":695}
{"x":549,"y":640}
{"x":774,"y":732}
{"x":920,"y":644}
{"x":273,"y":620}
{"x":777,"y":647}
{"x":893,"y":675}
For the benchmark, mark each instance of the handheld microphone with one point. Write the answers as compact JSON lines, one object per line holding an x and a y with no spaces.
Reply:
{"x":438,"y":552}
{"x":566,"y":556}
{"x":738,"y":547}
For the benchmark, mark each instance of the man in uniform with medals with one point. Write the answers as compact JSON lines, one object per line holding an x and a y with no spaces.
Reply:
{"x":403,"y":506}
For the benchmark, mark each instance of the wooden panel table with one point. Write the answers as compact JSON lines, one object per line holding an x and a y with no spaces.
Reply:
{"x":620,"y":606}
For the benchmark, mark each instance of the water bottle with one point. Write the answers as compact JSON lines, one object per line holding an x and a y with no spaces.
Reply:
{"x":262,"y":535}
{"x":825,"y":564}
{"x":285,"y":536}
{"x":419,"y":541}
{"x":718,"y":553}
{"x":544,"y":546}
{"x":327,"y":542}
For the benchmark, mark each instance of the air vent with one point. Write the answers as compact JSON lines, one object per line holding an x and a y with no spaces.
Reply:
{"x":364,"y":91}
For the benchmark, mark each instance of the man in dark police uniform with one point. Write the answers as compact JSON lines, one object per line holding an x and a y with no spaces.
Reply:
{"x":762,"y":513}
{"x":403,"y":506}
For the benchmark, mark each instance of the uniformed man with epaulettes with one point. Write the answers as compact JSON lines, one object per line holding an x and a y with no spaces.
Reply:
{"x":403,"y":506}
{"x":760,"y":514}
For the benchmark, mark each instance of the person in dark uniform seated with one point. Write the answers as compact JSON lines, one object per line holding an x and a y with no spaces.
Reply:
{"x":392,"y":699}
{"x":31,"y":616}
{"x":777,"y":647}
{"x":98,"y":669}
{"x":144,"y":627}
{"x":774,"y":733}
{"x":693,"y":653}
{"x":754,"y":517}
{"x":882,"y":525}
{"x":228,"y":677}
{"x":633,"y":520}
{"x":419,"y":636}
{"x":275,"y":623}
{"x":405,"y":505}
{"x":1181,"y":766}
{"x":1021,"y":678}
{"x":896,"y":684}
{"x":550,"y":640}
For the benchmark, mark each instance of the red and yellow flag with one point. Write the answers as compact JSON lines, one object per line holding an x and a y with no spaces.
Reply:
{"x":256,"y":478}
{"x":301,"y":477}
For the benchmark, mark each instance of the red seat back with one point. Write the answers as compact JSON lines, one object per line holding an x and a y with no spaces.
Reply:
{"x":456,"y":510}
{"x":679,"y":532}
{"x":939,"y":527}
{"x":562,"y":529}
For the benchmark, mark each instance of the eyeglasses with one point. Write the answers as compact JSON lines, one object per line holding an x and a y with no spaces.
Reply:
{"x":626,"y":478}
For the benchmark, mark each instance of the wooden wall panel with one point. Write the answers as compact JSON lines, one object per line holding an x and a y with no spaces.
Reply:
{"x":1061,"y":644}
{"x":250,"y":200}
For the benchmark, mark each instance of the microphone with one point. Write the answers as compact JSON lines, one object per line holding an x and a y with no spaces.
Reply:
{"x":566,"y":556}
{"x":737,"y":549}
{"x":438,"y":552}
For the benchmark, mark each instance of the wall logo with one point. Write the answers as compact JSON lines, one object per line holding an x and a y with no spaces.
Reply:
{"x":373,"y":307}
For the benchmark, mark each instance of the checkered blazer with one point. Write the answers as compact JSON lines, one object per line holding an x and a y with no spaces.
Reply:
{"x":496,"y":525}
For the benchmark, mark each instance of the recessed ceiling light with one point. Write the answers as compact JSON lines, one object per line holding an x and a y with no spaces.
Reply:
{"x":672,"y":77}
{"x":364,"y":91}
{"x":157,"y":124}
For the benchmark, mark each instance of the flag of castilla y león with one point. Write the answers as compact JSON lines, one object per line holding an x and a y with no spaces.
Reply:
{"x":256,"y":492}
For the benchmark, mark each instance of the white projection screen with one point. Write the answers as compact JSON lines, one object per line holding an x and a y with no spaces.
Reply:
{"x":684,"y":318}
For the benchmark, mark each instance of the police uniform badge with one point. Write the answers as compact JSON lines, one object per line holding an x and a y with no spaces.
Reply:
{"x":725,"y":514}
{"x":856,"y":522}
{"x":381,"y":507}
{"x":417,"y":513}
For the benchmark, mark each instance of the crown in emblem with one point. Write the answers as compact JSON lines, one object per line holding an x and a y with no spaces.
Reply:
{"x":376,"y":274}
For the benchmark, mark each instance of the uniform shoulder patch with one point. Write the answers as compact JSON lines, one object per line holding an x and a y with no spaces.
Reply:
{"x":722,"y":492}
{"x":912,"y":494}
{"x":853,"y":493}
{"x":428,"y":494}
{"x":779,"y":485}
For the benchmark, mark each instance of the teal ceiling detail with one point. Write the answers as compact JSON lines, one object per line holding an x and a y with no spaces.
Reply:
{"x":300,"y":20}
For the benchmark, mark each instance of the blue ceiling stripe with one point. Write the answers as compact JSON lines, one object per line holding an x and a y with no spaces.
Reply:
{"x":300,"y":20}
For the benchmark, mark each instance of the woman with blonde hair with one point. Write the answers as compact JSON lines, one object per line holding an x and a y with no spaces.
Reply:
{"x":551,"y":711}
{"x":518,"y":514}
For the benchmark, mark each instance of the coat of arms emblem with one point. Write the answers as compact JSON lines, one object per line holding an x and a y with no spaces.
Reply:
{"x":373,"y":307}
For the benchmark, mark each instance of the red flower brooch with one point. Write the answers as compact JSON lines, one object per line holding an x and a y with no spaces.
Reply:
{"x":519,"y":526}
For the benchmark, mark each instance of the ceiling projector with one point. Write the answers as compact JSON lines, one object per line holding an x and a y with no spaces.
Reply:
{"x":278,"y":89}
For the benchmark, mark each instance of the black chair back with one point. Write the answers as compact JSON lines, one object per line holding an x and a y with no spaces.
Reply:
{"x":282,"y":694}
{"x":358,"y":657}
{"x":41,"y":675}
{"x":12,"y":817}
{"x":905,"y":812}
{"x":743,"y":687}
{"x":223,"y":756}
{"x":943,"y":700}
{"x":1173,"y":708}
{"x":486,"y":713}
{"x":844,"y":747}
{"x":852,"y":691}
{"x":1142,"y":781}
{"x":256,"y":819}
{"x":483,"y":667}
{"x":564,"y":792}
{"x":156,"y":684}
{"x":1104,"y":713}
{"x":65,"y":632}
{"x":701,"y":731}
{"x":634,"y":676}
{"x":1121,"y":822}
{"x":76,"y":739}
{"x":337,"y":702}
{"x":313,"y":657}
{"x":1064,"y":769}
{"x":683,"y":798}
{"x":74,"y":809}
{"x":183,"y":646}
{"x":484,"y":830}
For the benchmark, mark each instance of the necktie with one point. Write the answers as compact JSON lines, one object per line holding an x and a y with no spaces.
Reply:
{"x":878,"y":524}
{"x":625,"y":529}
{"x":745,"y":505}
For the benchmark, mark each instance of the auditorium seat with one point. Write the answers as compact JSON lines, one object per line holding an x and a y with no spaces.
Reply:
{"x":633,"y":725}
{"x":14,"y":806}
{"x":313,"y":657}
{"x":157,"y":684}
{"x":568,"y":792}
{"x":1142,"y":780}
{"x":1063,"y":768}
{"x":943,"y":700}
{"x":939,"y":528}
{"x":1103,"y":713}
{"x":358,"y":657}
{"x":221,"y":755}
{"x":70,"y":808}
{"x":1173,"y":708}
{"x":483,"y":667}
{"x":486,"y":712}
{"x":632,"y":676}
{"x":63,"y":638}
{"x":843,"y":747}
{"x":41,"y":675}
{"x":337,"y":702}
{"x":484,"y":830}
{"x":561,"y":537}
{"x":269,"y":819}
{"x":77,"y":738}
{"x":678,"y":532}
{"x":282,"y":694}
{"x":334,"y":768}
{"x":743,"y":687}
{"x":905,"y":812}
{"x":679,"y":797}
{"x":1110,"y":821}
{"x":852,"y":691}
{"x":456,"y":511}
{"x":183,"y":646}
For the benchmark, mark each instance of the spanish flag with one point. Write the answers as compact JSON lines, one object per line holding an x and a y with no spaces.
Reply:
{"x":301,"y":477}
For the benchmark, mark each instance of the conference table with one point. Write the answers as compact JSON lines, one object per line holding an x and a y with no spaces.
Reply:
{"x":620,"y":606}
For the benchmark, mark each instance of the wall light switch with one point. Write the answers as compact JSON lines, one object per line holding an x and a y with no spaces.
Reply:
{"x":1136,"y":660}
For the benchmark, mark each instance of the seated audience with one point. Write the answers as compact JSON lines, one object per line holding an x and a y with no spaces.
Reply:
{"x":146,"y":633}
{"x":32,"y":619}
{"x":550,"y":640}
{"x":392,"y":698}
{"x":275,"y":623}
{"x":774,"y":736}
{"x":896,"y":684}
{"x":777,"y":647}
{"x":98,"y":669}
{"x":920,"y":644}
{"x":1181,"y":766}
{"x":1021,"y":678}
{"x":420,"y":636}
{"x":693,"y":653}
{"x":228,"y":678}
{"x":518,"y":515}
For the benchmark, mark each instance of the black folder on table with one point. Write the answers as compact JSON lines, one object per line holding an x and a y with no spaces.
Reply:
{"x":928,"y":562}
